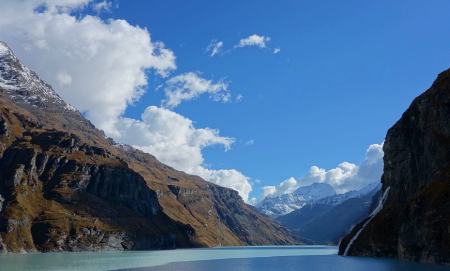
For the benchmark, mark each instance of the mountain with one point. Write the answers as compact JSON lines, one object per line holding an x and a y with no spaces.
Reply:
{"x":412,"y":219}
{"x":64,"y":186}
{"x":313,"y":221}
{"x":286,"y":203}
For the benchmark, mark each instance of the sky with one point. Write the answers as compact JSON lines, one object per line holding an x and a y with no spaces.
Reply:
{"x":259,"y":96}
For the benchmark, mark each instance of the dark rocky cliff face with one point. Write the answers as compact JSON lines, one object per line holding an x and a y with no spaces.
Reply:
{"x":414,"y":221}
{"x":64,"y":186}
{"x":60,"y":194}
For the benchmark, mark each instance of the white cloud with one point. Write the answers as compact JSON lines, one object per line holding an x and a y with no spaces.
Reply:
{"x":276,"y":50}
{"x":227,"y":177}
{"x":84,"y":57}
{"x":188,"y":86}
{"x":285,"y":187}
{"x":254,"y":40}
{"x":100,"y":66}
{"x":102,"y":6}
{"x":215,"y":47}
{"x":269,"y":190}
{"x":170,"y":137}
{"x":343,"y":178}
{"x":348,"y":176}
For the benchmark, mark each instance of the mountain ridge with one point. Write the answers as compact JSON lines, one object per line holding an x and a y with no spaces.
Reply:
{"x":286,"y":203}
{"x":66,"y":186}
{"x":343,"y":211}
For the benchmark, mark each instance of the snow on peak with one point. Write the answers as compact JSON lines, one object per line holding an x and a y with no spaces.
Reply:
{"x":24,"y":86}
{"x":316,"y":193}
{"x":286,"y":203}
{"x":316,"y":190}
{"x":4,"y":49}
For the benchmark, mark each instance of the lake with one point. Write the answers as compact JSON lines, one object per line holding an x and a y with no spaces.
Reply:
{"x":310,"y":258}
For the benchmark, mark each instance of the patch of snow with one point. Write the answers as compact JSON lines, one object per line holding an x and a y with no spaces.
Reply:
{"x":3,"y":48}
{"x":286,"y":203}
{"x":338,"y":199}
{"x":23,"y":85}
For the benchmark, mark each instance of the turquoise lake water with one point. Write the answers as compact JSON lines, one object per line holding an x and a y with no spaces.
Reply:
{"x":308,"y":258}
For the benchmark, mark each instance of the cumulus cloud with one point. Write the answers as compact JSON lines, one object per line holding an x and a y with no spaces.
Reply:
{"x":254,"y":40}
{"x":268,"y":190}
{"x":348,"y":176}
{"x":175,"y":141}
{"x":101,"y":67}
{"x":343,"y":178}
{"x":170,"y":136}
{"x":84,"y":57}
{"x":102,"y":6}
{"x":285,"y":187}
{"x":276,"y":50}
{"x":227,"y":177}
{"x":214,"y":48}
{"x":190,"y":85}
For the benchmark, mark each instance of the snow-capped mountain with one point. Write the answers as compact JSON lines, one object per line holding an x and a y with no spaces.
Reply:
{"x":64,"y":186}
{"x":343,"y":211}
{"x":286,"y":203}
{"x":24,"y":86}
{"x":339,"y":198}
{"x":26,"y":89}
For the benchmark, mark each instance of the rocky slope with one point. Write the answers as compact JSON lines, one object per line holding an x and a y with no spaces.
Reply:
{"x":275,"y":206}
{"x":412,"y":220}
{"x":64,"y":186}
{"x":343,"y":211}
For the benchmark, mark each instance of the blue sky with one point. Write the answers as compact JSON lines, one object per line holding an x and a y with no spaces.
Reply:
{"x":345,"y":72}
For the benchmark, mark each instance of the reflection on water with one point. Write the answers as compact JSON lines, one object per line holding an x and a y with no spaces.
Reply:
{"x":309,"y":258}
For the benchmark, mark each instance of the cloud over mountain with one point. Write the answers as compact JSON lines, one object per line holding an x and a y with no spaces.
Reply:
{"x":102,"y":66}
{"x":343,"y":178}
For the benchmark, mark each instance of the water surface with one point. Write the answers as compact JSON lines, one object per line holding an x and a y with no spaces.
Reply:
{"x":310,"y":258}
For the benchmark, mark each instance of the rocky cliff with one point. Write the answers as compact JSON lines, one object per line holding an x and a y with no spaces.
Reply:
{"x":64,"y":186}
{"x":412,"y":219}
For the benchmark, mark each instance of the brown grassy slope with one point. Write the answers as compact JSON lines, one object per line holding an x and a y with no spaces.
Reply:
{"x":201,"y":214}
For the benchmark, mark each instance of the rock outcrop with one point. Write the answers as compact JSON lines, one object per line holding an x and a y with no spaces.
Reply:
{"x":412,"y":220}
{"x":64,"y":186}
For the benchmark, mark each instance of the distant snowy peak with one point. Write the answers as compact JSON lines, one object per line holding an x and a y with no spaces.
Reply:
{"x":4,"y":49}
{"x":317,"y":193}
{"x":339,"y":198}
{"x":24,"y":86}
{"x":284,"y":204}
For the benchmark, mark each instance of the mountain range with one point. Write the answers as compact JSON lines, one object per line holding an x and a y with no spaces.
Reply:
{"x":275,"y":206}
{"x":64,"y":186}
{"x":327,"y":220}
